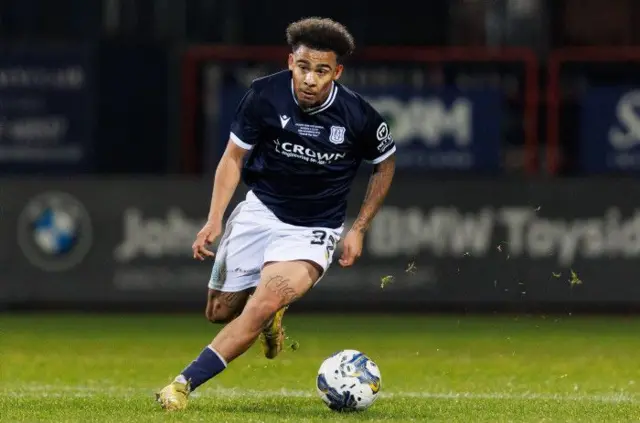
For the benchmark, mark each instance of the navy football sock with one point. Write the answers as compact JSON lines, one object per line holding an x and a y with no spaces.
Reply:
{"x":208,"y":364}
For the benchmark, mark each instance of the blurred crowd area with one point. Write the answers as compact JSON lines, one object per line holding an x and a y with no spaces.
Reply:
{"x":540,"y":24}
{"x":141,"y":120}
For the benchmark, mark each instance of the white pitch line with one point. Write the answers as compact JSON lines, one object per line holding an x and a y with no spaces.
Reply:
{"x":43,"y":391}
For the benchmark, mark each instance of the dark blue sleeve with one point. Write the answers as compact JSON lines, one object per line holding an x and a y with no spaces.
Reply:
{"x":245,"y":128}
{"x":376,"y":140}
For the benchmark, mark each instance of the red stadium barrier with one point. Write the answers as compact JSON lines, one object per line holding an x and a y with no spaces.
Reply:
{"x":196,"y":55}
{"x":557,"y":59}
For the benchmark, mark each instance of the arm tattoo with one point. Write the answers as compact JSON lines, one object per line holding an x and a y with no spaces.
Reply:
{"x":379,"y":185}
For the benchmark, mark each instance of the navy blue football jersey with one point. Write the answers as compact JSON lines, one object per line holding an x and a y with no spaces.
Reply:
{"x":302,"y":162}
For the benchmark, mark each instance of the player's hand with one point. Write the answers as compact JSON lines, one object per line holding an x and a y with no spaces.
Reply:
{"x":209,"y":232}
{"x":351,"y":248}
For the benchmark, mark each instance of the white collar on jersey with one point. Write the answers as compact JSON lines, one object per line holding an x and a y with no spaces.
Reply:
{"x":324,"y":106}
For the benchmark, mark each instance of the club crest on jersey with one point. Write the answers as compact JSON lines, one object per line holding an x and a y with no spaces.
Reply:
{"x":336,"y":135}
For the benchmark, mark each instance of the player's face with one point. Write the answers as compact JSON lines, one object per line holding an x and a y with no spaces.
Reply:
{"x":313,"y":71}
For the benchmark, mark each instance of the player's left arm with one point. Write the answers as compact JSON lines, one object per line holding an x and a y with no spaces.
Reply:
{"x":379,"y":184}
{"x":379,"y":149}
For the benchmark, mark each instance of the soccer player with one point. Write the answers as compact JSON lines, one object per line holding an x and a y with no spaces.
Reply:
{"x":305,"y":135}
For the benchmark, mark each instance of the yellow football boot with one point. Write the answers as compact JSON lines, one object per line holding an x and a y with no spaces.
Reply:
{"x":272,"y":337}
{"x":174,"y":396}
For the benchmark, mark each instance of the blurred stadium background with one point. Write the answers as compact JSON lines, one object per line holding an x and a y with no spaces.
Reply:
{"x":518,"y":126}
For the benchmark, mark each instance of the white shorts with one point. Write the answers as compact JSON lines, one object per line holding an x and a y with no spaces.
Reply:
{"x":254,"y":236}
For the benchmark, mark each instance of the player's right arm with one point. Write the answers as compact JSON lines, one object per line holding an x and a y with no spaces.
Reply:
{"x":245,"y":132}
{"x":226,"y":180}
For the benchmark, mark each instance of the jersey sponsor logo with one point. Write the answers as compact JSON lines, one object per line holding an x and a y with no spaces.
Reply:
{"x":297,"y":151}
{"x":384,"y":136}
{"x":284,"y":119}
{"x":382,"y":133}
{"x":336,"y":135}
{"x":385,"y":144}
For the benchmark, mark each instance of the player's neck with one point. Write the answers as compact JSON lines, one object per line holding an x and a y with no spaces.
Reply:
{"x":324,"y":98}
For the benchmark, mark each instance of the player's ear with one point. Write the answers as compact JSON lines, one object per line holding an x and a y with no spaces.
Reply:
{"x":291,"y":61}
{"x":338,"y":73}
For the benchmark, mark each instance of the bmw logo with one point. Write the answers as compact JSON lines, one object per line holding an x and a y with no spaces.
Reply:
{"x":54,"y":231}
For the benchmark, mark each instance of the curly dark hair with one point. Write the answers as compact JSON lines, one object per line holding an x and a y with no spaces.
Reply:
{"x":322,"y":34}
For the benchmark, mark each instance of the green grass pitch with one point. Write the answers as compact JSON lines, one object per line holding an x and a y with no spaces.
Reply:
{"x":105,"y":368}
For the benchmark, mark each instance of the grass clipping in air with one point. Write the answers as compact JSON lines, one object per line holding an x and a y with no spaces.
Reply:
{"x":389,"y":279}
{"x":574,"y":279}
{"x":386,"y":280}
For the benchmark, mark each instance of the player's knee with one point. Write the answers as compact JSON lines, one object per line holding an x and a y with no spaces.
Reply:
{"x":218,"y":313}
{"x":223,"y":307}
{"x":216,"y":318}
